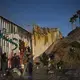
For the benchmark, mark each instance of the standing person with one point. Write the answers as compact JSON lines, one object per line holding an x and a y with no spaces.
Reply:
{"x":4,"y":62}
{"x":37,"y":62}
{"x":28,"y":48}
{"x":0,"y":56}
{"x":14,"y":61}
{"x":25,"y":60}
{"x":30,"y":65}
{"x":18,"y":61}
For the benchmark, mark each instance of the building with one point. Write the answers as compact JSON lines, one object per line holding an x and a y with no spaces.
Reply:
{"x":13,"y":38}
{"x":43,"y":38}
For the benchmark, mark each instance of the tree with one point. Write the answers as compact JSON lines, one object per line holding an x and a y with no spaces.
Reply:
{"x":44,"y":59}
{"x":73,"y":19}
{"x":78,"y":13}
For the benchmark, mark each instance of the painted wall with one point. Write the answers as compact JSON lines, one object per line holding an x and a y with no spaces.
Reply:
{"x":11,"y":30}
{"x":42,"y":38}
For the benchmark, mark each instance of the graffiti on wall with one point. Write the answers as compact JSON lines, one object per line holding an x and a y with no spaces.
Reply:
{"x":9,"y":40}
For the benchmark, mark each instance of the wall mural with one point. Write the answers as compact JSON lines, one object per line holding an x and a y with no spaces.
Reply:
{"x":9,"y":40}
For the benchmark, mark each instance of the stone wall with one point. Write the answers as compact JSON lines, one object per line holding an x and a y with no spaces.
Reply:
{"x":42,"y":38}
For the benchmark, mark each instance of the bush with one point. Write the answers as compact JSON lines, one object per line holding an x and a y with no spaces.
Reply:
{"x":44,"y":59}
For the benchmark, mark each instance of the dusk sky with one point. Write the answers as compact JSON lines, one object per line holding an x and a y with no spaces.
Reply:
{"x":45,"y":13}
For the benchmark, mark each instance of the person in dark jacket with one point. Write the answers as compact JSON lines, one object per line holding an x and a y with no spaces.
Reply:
{"x":4,"y":62}
{"x":18,"y":61}
{"x":0,"y":56}
{"x":28,"y":49}
{"x":30,"y":65}
{"x":15,"y":61}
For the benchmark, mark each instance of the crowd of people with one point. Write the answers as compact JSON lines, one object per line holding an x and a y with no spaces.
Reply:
{"x":15,"y":62}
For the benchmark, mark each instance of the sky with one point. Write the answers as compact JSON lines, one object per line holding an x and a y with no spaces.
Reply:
{"x":45,"y":13}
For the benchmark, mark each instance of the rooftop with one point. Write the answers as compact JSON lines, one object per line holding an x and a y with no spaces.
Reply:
{"x":15,"y":24}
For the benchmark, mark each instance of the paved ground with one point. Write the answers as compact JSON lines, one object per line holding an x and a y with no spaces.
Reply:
{"x":41,"y":74}
{"x":38,"y":74}
{"x":65,"y":74}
